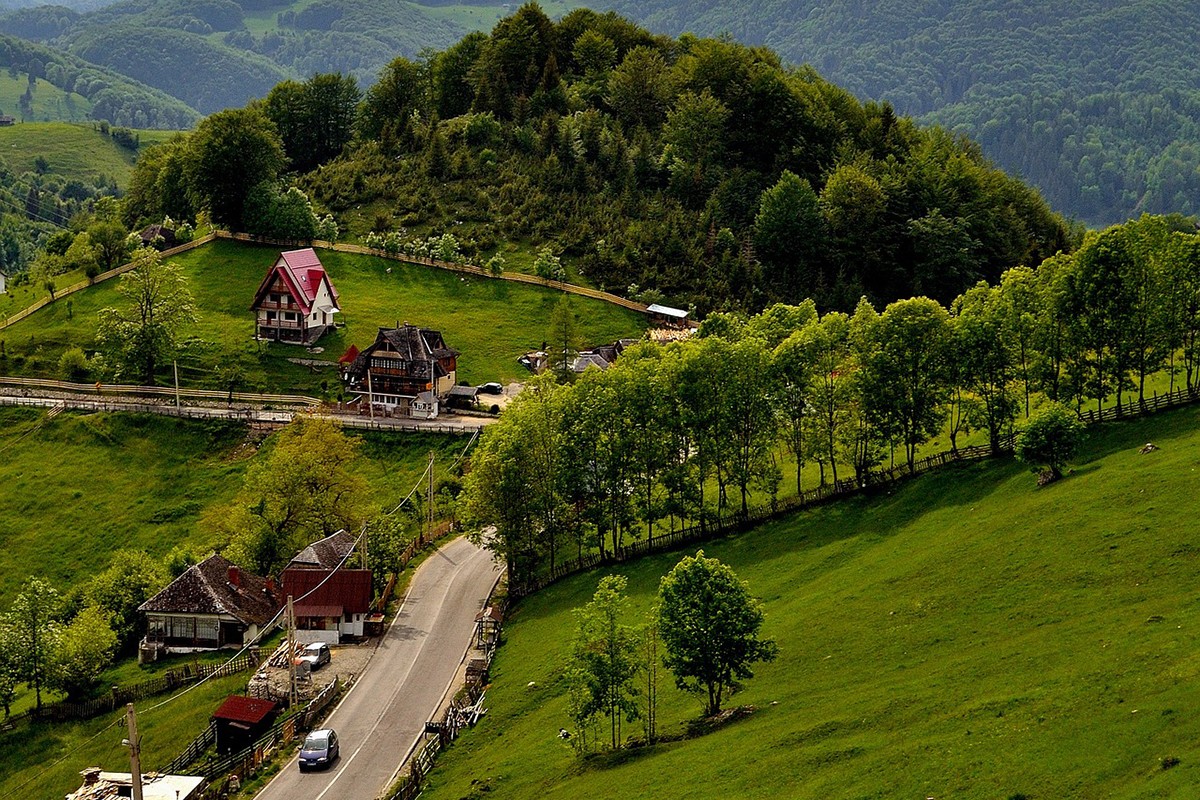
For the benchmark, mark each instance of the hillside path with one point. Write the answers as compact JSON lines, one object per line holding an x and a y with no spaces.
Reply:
{"x":384,"y":714}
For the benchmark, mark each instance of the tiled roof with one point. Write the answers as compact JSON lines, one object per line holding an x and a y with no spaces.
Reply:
{"x":326,"y":553}
{"x":248,"y":710}
{"x":205,"y":588}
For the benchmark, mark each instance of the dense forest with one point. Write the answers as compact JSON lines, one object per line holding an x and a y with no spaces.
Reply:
{"x":696,"y":431}
{"x":697,"y":169}
{"x":1091,"y":101}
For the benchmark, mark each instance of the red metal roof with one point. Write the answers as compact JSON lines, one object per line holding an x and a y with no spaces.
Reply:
{"x":349,"y":356}
{"x":302,"y":273}
{"x":348,"y":588}
{"x":249,"y":710}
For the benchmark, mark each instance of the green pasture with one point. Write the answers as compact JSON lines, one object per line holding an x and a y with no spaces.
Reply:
{"x":48,"y":102}
{"x":42,"y":761}
{"x":490,"y":322}
{"x":78,"y":488}
{"x":73,"y":150}
{"x":964,"y":635}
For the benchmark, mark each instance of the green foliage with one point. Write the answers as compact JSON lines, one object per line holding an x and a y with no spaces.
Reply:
{"x":604,"y":661}
{"x":547,"y":265}
{"x":145,"y":332}
{"x":131,"y":579}
{"x":305,"y":489}
{"x":315,"y":119}
{"x":709,"y":625}
{"x":83,"y":651}
{"x":33,"y":631}
{"x":286,"y":215}
{"x":230,"y":154}
{"x":1050,"y":438}
{"x":73,"y":364}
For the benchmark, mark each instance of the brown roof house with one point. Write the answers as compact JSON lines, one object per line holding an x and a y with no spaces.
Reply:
{"x":296,"y":300}
{"x":241,"y":721}
{"x":407,"y":371}
{"x":213,"y":604}
{"x":329,"y":602}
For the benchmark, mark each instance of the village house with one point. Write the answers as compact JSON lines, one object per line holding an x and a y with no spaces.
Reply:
{"x":329,"y":602}
{"x":213,"y":604}
{"x":296,"y":301}
{"x":407,"y":371}
{"x":3,"y":281}
{"x":157,"y":236}
{"x":601,"y":357}
{"x":667,"y":316}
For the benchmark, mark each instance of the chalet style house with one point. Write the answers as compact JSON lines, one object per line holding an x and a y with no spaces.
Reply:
{"x":213,"y":604}
{"x":407,"y":371}
{"x":335,"y":601}
{"x":296,"y":301}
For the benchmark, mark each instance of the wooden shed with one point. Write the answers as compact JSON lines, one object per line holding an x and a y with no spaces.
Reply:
{"x":240,"y":721}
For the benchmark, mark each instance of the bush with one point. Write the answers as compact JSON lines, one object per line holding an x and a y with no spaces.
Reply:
{"x":73,"y":364}
{"x":1050,"y":439}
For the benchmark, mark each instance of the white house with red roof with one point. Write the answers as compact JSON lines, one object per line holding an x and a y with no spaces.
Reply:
{"x":296,"y":300}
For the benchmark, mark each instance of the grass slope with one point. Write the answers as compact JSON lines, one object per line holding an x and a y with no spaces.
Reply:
{"x":78,"y":488}
{"x":74,"y":151}
{"x":490,"y":322}
{"x":966,"y":636}
{"x":48,"y":101}
{"x":32,"y":767}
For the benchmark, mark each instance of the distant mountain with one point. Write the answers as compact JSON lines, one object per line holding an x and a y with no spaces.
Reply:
{"x":113,"y":97}
{"x":1096,"y":102}
{"x":204,"y":53}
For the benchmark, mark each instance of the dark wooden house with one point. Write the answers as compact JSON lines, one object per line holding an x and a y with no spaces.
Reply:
{"x":404,"y":365}
{"x":332,"y":602}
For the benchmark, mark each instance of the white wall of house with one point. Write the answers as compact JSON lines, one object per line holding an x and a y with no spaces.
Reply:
{"x":3,"y":278}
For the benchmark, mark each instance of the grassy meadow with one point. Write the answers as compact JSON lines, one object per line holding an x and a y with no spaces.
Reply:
{"x":73,"y":150}
{"x":490,"y":322}
{"x":80,"y":487}
{"x":48,"y":101}
{"x":965,"y":635}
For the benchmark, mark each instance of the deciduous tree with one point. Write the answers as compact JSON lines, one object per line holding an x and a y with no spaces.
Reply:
{"x":1050,"y":439}
{"x":709,"y":625}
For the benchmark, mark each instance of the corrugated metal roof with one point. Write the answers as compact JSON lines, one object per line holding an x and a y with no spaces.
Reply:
{"x":249,"y":710}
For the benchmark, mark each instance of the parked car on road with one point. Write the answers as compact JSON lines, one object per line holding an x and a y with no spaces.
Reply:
{"x":491,"y":388}
{"x":316,"y":654}
{"x":319,"y":750}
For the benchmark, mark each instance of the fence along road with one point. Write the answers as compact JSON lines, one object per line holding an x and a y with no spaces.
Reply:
{"x":384,"y":713}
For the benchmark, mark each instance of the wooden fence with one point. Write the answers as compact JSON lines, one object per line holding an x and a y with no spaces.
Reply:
{"x":120,"y":695}
{"x":452,"y":266}
{"x":13,"y":319}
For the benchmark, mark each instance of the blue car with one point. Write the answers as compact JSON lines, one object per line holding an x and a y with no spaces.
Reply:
{"x":319,"y":750}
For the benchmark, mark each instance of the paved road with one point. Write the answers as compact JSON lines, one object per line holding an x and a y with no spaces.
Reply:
{"x":385,"y":712}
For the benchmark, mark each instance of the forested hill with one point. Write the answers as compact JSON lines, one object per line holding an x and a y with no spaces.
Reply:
{"x":1095,"y":102}
{"x":204,"y":52}
{"x":696,"y":169}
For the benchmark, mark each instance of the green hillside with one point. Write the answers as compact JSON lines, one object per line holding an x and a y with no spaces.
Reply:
{"x":490,"y":322}
{"x":46,"y":101}
{"x":73,"y":151}
{"x":966,"y":635}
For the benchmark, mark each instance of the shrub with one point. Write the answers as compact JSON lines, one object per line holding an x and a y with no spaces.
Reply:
{"x":73,"y":364}
{"x":1050,"y":439}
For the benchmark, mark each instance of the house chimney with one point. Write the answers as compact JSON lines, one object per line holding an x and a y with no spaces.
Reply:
{"x":270,"y":586}
{"x":235,"y":576}
{"x":91,"y":776}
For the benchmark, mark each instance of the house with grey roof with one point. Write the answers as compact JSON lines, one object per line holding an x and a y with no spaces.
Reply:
{"x":406,"y":371}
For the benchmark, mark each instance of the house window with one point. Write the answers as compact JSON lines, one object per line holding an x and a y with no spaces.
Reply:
{"x":275,"y":298}
{"x":288,"y":316}
{"x":270,"y":316}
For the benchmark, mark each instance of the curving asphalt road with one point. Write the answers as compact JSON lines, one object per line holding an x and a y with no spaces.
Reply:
{"x":384,"y":714}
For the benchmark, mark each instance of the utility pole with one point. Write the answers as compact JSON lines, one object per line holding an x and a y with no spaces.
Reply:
{"x":429,"y":511}
{"x":135,"y":752}
{"x":291,"y":659}
{"x":370,"y":394}
{"x":175,"y":366}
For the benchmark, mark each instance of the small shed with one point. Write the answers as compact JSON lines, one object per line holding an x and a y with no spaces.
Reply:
{"x":462,"y":396}
{"x":665,"y":315}
{"x":487,"y":626}
{"x":241,"y":721}
{"x":158,"y":236}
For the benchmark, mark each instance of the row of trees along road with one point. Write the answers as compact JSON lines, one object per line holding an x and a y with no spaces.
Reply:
{"x":708,"y":625}
{"x":689,"y":431}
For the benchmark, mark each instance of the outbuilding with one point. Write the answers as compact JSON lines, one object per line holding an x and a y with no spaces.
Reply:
{"x":241,"y":721}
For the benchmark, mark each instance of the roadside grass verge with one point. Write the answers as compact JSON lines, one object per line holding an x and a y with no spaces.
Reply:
{"x":966,"y":635}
